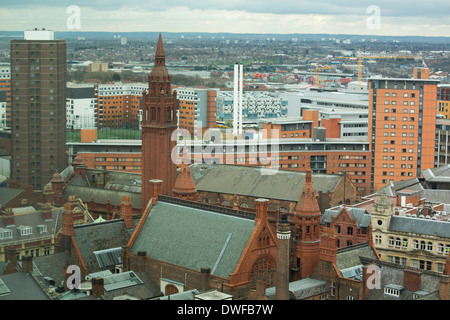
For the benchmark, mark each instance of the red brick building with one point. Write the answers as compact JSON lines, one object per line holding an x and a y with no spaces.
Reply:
{"x":159,"y":120}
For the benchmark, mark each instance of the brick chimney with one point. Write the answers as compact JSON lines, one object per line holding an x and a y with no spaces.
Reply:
{"x":206,"y":273}
{"x":126,"y":211}
{"x":9,"y":216}
{"x":412,"y":280}
{"x":27,"y":264}
{"x":67,"y":220}
{"x":13,"y":184}
{"x":155,"y":190}
{"x":261,"y":209}
{"x":142,"y":255}
{"x":57,"y":186}
{"x":47,"y":212}
{"x":282,"y":270}
{"x":98,"y":287}
{"x":11,"y":260}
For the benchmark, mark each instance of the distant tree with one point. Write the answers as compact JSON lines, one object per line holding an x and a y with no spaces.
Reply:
{"x":116,"y":77}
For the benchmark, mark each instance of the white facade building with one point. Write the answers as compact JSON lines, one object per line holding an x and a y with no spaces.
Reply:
{"x":80,"y":107}
{"x":255,"y":105}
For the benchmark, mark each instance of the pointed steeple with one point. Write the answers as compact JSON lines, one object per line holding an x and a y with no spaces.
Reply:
{"x":159,"y":69}
{"x":160,"y":48}
{"x":308,"y":199}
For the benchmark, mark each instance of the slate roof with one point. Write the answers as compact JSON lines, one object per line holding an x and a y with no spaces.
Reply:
{"x":361,"y":215}
{"x":51,"y":266}
{"x":438,"y":174}
{"x":302,"y":289}
{"x":30,"y":217}
{"x":392,"y":276}
{"x":100,"y":236}
{"x":133,"y":283}
{"x":420,"y":226}
{"x":193,"y":237}
{"x":101,"y":195}
{"x":117,"y":184}
{"x":436,"y":195}
{"x":249,"y":181}
{"x":7,"y":194}
{"x":350,"y":257}
{"x":21,"y":286}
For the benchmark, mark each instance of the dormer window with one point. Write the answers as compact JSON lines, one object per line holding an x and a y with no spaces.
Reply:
{"x":5,"y":234}
{"x":25,"y":230}
{"x":41,"y":228}
{"x":393,"y":290}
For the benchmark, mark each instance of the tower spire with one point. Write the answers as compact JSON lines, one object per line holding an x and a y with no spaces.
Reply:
{"x":308,"y":199}
{"x":159,"y":120}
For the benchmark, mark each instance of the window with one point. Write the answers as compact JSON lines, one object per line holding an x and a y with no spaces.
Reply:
{"x":405,"y":243}
{"x":24,"y":230}
{"x":5,"y":233}
{"x":392,"y":291}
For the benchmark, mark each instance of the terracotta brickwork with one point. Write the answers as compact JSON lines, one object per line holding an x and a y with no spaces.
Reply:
{"x":159,"y":120}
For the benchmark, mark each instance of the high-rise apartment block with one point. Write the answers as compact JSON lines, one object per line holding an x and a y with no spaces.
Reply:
{"x":38,"y":108}
{"x":402,"y":124}
{"x":81,"y":110}
{"x":196,"y":109}
{"x":5,"y":96}
{"x":119,"y":104}
{"x":443,"y":100}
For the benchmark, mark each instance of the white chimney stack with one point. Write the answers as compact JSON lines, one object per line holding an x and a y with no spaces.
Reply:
{"x":235,"y":101}
{"x":241,"y":75}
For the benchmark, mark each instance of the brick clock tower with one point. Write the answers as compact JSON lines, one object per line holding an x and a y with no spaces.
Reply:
{"x":159,"y":120}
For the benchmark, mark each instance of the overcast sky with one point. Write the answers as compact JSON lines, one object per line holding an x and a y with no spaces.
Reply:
{"x":396,"y":17}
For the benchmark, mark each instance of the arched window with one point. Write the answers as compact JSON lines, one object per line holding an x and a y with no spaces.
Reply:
{"x":422,"y":245}
{"x":430,"y":246}
{"x":391,"y":241}
{"x":261,"y":268}
{"x":405,"y":243}
{"x":170,"y":289}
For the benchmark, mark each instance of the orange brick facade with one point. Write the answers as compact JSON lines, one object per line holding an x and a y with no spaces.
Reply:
{"x":402,"y":122}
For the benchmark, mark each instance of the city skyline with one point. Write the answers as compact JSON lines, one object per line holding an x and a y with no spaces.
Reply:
{"x":399,"y":18}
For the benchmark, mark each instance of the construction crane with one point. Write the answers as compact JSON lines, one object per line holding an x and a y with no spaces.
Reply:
{"x":360,"y":58}
{"x":317,"y":73}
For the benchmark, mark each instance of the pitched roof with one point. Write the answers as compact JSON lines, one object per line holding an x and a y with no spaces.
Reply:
{"x":194,"y":237}
{"x":99,"y":236}
{"x":361,"y":215}
{"x":249,"y":181}
{"x":30,"y":217}
{"x":303,"y":288}
{"x":101,"y":195}
{"x":438,"y":174}
{"x":21,"y":286}
{"x":420,"y":225}
{"x":350,"y":257}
